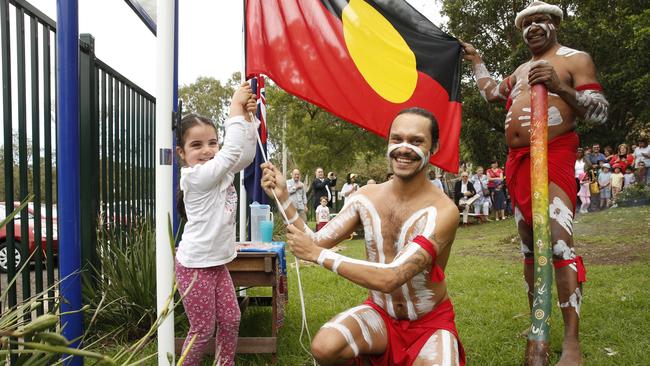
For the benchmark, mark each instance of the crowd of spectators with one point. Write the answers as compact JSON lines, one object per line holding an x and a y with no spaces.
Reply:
{"x":602,"y":176}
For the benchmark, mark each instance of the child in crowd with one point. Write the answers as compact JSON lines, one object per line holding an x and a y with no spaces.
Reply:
{"x":209,"y":201}
{"x":322,"y":214}
{"x":605,"y":183}
{"x":499,"y":201}
{"x":617,"y":181}
{"x":628,"y":178}
{"x":583,"y":193}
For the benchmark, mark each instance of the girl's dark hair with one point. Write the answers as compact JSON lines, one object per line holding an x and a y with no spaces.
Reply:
{"x":180,"y":130}
{"x":348,"y":178}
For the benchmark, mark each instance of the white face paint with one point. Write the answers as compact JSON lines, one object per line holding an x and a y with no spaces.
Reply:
{"x":545,"y":27}
{"x":562,"y":214}
{"x":424,"y":158}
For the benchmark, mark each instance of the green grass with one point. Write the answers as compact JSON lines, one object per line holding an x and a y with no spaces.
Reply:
{"x":485,"y":282}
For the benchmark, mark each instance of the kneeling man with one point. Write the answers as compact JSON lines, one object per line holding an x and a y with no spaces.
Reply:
{"x":409,"y":226}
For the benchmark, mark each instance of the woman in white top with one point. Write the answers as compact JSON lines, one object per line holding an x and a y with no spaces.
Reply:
{"x":582,"y":164}
{"x":350,"y":186}
{"x":209,"y":203}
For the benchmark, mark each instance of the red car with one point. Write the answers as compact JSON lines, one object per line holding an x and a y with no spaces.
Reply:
{"x":20,"y":257}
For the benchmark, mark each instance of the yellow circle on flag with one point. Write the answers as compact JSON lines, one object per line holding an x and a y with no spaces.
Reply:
{"x":380,"y":53}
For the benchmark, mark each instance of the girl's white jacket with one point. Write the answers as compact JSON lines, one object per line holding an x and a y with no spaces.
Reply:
{"x":211,"y":200}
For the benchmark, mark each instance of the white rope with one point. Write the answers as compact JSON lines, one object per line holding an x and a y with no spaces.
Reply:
{"x":303,"y":326}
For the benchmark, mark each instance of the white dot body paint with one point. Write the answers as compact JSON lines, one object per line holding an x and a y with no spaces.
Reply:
{"x":429,"y":351}
{"x":562,"y":250}
{"x":554,"y":116}
{"x":575,"y":301}
{"x":345,"y":332}
{"x":567,"y":52}
{"x":595,"y":103}
{"x":518,"y":215}
{"x":561,"y":214}
{"x":480,"y":72}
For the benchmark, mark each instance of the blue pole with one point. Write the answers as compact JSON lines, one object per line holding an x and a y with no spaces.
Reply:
{"x":67,"y":133}
{"x":175,"y":217}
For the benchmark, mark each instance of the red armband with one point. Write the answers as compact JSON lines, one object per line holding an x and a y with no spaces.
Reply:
{"x":580,"y":267}
{"x":592,"y":86}
{"x":437,"y":274}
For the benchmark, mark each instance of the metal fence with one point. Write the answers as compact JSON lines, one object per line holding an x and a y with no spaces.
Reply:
{"x":28,"y":102}
{"x":117,"y":121}
{"x":117,"y":129}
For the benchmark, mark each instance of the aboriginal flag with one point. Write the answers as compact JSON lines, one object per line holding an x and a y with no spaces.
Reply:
{"x":363,"y":61}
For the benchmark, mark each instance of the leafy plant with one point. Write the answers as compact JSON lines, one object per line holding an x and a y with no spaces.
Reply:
{"x":637,"y":192}
{"x":124,"y":284}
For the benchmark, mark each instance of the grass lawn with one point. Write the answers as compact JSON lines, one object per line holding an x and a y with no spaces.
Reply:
{"x":486,"y":284}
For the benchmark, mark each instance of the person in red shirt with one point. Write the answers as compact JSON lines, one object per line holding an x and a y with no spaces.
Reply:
{"x":623,"y":159}
{"x":495,"y":176}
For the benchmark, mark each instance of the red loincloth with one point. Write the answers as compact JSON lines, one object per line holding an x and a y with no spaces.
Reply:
{"x":406,"y":338}
{"x":561,"y":160}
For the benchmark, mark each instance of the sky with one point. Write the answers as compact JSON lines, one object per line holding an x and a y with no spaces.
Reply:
{"x":210,"y":42}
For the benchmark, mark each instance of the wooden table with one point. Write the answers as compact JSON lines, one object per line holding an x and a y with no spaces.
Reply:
{"x":251,"y":269}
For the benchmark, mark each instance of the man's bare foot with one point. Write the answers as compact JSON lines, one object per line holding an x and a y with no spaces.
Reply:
{"x":570,"y":354}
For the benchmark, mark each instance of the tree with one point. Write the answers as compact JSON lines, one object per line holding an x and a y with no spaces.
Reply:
{"x":206,"y":97}
{"x":615,"y":38}
{"x":315,"y":137}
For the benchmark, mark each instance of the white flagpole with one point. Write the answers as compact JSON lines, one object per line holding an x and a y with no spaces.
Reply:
{"x":284,"y":146}
{"x":164,"y":179}
{"x":242,"y":190}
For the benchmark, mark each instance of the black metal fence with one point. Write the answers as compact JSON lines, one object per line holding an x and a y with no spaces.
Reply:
{"x":28,"y":137}
{"x":117,"y":129}
{"x":117,"y":121}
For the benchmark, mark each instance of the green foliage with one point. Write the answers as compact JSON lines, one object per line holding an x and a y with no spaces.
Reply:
{"x":124,"y":285}
{"x":207,"y":97}
{"x":615,"y":33}
{"x":633,"y":194}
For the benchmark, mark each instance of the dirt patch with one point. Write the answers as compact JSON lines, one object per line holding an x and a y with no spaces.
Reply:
{"x":614,"y":253}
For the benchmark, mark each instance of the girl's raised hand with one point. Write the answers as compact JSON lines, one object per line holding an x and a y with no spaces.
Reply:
{"x":240,"y":100}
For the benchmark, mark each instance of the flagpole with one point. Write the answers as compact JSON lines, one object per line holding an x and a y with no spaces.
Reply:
{"x":284,"y":146}
{"x":163,"y":154}
{"x":537,"y":352}
{"x":242,"y":189}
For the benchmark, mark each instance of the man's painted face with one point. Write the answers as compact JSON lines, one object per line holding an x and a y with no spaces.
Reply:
{"x":409,"y":145}
{"x":538,"y":30}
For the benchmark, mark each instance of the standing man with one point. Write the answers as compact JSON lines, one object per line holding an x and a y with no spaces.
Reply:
{"x":464,"y":195}
{"x":322,"y":186}
{"x":298,"y":194}
{"x":574,"y":92}
{"x":642,"y":155}
{"x":409,"y":227}
{"x":595,"y":157}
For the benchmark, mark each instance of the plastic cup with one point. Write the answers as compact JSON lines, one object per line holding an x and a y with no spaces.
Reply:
{"x":266,"y":230}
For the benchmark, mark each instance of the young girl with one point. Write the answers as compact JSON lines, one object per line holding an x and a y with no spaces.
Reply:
{"x":584,"y":194}
{"x":605,"y":183}
{"x":617,"y":181}
{"x":208,"y":241}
